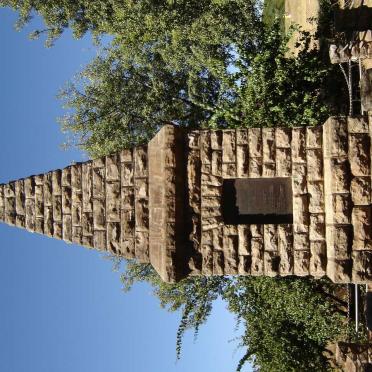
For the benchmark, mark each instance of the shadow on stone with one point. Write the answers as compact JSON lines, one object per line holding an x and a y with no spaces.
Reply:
{"x":356,"y":19}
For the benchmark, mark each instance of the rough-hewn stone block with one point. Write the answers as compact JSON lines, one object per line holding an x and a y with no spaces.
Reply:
{"x":317,"y":227}
{"x":257,"y":252}
{"x":98,"y":183}
{"x":245,"y":263}
{"x":298,"y":145}
{"x":341,"y":205}
{"x":339,"y":241}
{"x":216,"y":139}
{"x":205,"y":147}
{"x":340,"y":175}
{"x":361,"y":221}
{"x":268,"y":140}
{"x":20,"y":197}
{"x":76,"y":210}
{"x":127,"y":247}
{"x":359,"y":154}
{"x":113,"y":237}
{"x":244,"y":240}
{"x":316,"y":196}
{"x":99,"y":214}
{"x":339,"y":271}
{"x":112,"y":168}
{"x":268,"y":170}
{"x":256,"y":231}
{"x":361,"y":190}
{"x":241,"y":136}
{"x":362,"y":266}
{"x":255,"y":167}
{"x":77,"y":235}
{"x":39,"y":201}
{"x":314,"y":136}
{"x":67,"y":228}
{"x":283,"y":162}
{"x":314,"y":164}
{"x":255,"y":142}
{"x":285,"y":245}
{"x":299,"y":180}
{"x":48,"y":221}
{"x":228,"y":146}
{"x":271,"y":263}
{"x":66,"y":177}
{"x":140,"y":161}
{"x":128,"y":223}
{"x":229,"y":170}
{"x":207,"y":260}
{"x":126,"y":155}
{"x":113,"y":202}
{"x":56,"y":182}
{"x":87,"y":241}
{"x":99,"y":240}
{"x":20,"y":221}
{"x":76,"y":177}
{"x":48,"y":190}
{"x":66,"y":199}
{"x":301,"y":241}
{"x":216,"y":166}
{"x":301,"y":217}
{"x":357,"y":125}
{"x":301,"y":263}
{"x":29,"y":185}
{"x":87,"y":187}
{"x":218,"y":262}
{"x":87,"y":223}
{"x":30,"y":214}
{"x":318,"y":259}
{"x":335,"y":137}
{"x":270,"y":238}
{"x":57,"y":230}
{"x":242,"y":161}
{"x":142,"y":214}
{"x":283,"y":137}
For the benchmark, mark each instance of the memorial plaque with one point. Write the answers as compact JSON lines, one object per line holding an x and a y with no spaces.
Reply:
{"x":258,"y":200}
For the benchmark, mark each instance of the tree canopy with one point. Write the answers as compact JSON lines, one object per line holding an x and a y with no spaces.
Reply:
{"x":197,"y":63}
{"x":287,"y":321}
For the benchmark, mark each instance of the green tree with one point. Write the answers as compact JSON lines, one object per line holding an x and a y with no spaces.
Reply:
{"x":287,"y":321}
{"x":120,"y":99}
{"x":228,"y":68}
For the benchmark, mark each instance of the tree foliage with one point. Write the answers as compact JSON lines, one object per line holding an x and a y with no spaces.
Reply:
{"x":205,"y":63}
{"x":121,"y":99}
{"x":287,"y":321}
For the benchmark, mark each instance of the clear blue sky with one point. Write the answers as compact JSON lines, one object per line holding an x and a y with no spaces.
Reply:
{"x":61,"y":306}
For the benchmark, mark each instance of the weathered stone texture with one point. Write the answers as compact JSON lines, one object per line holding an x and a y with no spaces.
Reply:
{"x":162,"y":203}
{"x":347,"y":154}
{"x":89,"y":203}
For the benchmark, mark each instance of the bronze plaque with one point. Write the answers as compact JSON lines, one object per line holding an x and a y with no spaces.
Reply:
{"x":258,"y":200}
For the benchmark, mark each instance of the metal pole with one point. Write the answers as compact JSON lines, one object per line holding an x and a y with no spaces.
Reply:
{"x":356,"y":309}
{"x":360,"y":85}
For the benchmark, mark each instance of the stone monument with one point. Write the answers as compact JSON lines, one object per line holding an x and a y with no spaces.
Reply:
{"x":255,"y":201}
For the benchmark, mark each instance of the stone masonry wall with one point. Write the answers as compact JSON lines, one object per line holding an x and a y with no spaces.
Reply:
{"x":100,"y":204}
{"x":347,"y":153}
{"x":162,"y":204}
{"x":269,"y":249}
{"x":329,"y":167}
